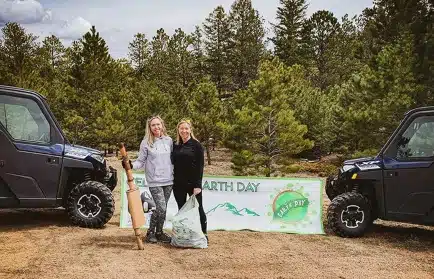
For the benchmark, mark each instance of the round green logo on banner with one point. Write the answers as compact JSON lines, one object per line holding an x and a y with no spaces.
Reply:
{"x":290,"y":206}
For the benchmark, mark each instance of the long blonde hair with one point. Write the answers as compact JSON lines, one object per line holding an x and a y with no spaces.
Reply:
{"x":149,"y":136}
{"x":189,"y":123}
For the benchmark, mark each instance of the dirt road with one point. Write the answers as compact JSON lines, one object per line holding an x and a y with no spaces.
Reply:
{"x":42,"y":244}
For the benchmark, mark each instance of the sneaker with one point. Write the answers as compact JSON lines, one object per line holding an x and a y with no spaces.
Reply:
{"x":150,"y":237}
{"x":163,"y":237}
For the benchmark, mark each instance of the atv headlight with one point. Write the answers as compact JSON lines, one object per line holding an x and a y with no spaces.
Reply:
{"x":346,"y":168}
{"x":99,"y":158}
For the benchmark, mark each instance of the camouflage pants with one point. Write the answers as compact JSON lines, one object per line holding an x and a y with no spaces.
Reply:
{"x":160,"y":195}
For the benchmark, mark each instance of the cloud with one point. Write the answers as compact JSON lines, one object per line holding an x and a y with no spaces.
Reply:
{"x":32,"y":15}
{"x":23,"y":11}
{"x":73,"y":29}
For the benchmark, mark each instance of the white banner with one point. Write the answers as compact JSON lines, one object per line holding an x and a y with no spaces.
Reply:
{"x":291,"y":205}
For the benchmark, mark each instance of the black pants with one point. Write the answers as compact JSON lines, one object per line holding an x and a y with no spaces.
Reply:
{"x":180,"y":192}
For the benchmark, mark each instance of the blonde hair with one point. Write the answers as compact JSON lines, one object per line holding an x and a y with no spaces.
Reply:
{"x":188,"y":122}
{"x":149,"y":136}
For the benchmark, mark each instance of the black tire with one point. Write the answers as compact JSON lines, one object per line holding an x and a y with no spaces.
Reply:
{"x":332,"y":188}
{"x":90,"y":205}
{"x":349,"y":215}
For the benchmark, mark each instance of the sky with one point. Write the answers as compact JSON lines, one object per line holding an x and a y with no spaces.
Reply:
{"x":119,"y":20}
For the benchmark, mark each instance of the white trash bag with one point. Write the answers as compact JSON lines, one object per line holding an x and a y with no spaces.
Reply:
{"x":186,"y":228}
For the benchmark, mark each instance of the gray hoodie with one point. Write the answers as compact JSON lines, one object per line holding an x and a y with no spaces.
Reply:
{"x":155,"y":159}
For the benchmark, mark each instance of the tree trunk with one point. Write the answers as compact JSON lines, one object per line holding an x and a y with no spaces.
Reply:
{"x":268,"y":168}
{"x":208,"y":153}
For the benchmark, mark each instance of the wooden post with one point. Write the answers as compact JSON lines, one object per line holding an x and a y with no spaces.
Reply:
{"x":133,"y":196}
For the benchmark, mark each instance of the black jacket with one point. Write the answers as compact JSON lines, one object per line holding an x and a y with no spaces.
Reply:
{"x":188,"y":163}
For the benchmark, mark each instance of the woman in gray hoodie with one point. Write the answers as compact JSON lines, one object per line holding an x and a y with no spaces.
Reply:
{"x":154,"y":157}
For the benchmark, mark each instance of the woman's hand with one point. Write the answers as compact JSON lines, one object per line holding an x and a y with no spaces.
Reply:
{"x":196,"y":191}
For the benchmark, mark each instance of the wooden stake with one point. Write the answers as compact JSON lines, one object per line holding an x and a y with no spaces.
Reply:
{"x":134,"y":202}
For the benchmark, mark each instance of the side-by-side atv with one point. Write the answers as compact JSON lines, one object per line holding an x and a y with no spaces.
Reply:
{"x":39,"y":168}
{"x":395,"y":185}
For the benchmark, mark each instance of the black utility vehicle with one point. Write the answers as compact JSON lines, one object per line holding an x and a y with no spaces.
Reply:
{"x":39,"y":168}
{"x":395,"y":185}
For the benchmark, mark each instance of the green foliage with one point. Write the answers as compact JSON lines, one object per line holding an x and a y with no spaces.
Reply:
{"x":198,"y":52}
{"x":139,"y":53}
{"x":52,"y":58}
{"x":319,"y":168}
{"x":319,"y":37}
{"x":265,"y":127}
{"x":247,"y":41}
{"x":218,"y":49}
{"x":365,"y":153}
{"x":74,"y":126}
{"x":107,"y":127}
{"x":206,"y":110}
{"x":180,"y":63}
{"x":293,"y":168}
{"x":17,"y":56}
{"x":373,"y":102}
{"x":290,"y":16}
{"x":158,"y":62}
{"x":327,"y":85}
{"x":384,"y":24}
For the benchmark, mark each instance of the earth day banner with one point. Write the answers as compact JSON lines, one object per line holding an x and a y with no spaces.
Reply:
{"x":290,"y":205}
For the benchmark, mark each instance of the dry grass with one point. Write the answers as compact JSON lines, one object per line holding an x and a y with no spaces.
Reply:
{"x":42,"y":244}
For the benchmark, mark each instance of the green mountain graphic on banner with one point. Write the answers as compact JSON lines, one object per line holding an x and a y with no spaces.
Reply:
{"x":227,"y":206}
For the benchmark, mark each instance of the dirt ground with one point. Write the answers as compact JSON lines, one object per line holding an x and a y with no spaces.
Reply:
{"x":42,"y":244}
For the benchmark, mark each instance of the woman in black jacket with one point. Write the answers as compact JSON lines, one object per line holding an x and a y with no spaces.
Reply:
{"x":188,"y":163}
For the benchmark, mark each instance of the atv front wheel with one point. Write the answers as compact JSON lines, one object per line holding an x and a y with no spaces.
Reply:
{"x":349,"y":215}
{"x":90,"y":205}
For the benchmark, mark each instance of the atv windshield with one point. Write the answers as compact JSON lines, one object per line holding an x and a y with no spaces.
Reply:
{"x":418,"y":139}
{"x":23,"y":119}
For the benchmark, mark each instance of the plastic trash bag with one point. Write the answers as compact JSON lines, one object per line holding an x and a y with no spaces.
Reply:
{"x":186,"y":228}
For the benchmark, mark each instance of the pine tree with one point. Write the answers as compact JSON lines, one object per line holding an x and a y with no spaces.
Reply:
{"x":180,"y":58}
{"x":96,"y":59}
{"x":319,"y":36}
{"x":74,"y":127}
{"x":95,"y":49}
{"x":206,"y":110}
{"x":384,"y":24}
{"x":311,"y":107}
{"x":123,"y":94}
{"x":218,"y":46}
{"x":374,"y":100}
{"x":54,"y":72}
{"x":248,"y":42}
{"x":265,"y":130}
{"x":153,"y":101}
{"x":91,"y":76}
{"x":17,"y":53}
{"x":54,"y":52}
{"x":139,"y":52}
{"x":426,"y":71}
{"x":198,"y":53}
{"x":158,"y":62}
{"x":346,"y":46}
{"x":108,"y":128}
{"x":75,"y":64}
{"x":290,"y":17}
